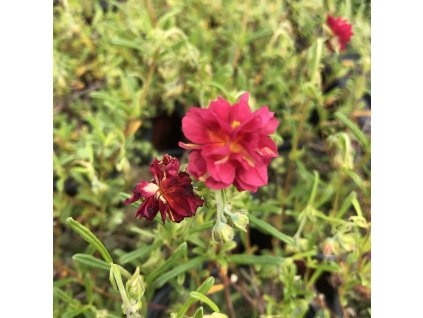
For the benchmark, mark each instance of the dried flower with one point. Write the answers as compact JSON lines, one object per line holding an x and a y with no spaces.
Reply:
{"x":170,"y":192}
{"x":230,"y":144}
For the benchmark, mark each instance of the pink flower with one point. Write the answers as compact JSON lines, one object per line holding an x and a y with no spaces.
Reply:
{"x":170,"y":192}
{"x":341,"y":29}
{"x":230,"y":144}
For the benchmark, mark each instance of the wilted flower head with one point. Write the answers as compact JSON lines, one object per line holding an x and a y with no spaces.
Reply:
{"x":230,"y":144}
{"x":170,"y":192}
{"x":341,"y":29}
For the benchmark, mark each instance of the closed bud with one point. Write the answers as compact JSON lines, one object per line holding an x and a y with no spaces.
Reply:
{"x":222,"y":232}
{"x":135,"y":288}
{"x":239,"y":219}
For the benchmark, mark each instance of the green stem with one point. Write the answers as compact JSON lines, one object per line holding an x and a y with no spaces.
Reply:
{"x":294,"y":150}
{"x":301,"y":227}
{"x":220,"y":205}
{"x":338,"y":193}
{"x":122,"y":291}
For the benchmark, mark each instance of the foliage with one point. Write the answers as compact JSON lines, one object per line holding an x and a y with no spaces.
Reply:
{"x":120,"y":65}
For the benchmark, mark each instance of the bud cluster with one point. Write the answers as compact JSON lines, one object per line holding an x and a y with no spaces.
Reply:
{"x":226,"y":222}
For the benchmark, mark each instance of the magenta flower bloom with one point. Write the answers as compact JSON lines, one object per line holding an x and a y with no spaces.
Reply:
{"x":170,"y":192}
{"x":230,"y":144}
{"x":341,"y":29}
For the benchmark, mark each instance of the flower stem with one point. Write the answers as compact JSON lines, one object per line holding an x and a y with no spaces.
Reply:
{"x":220,"y":205}
{"x":294,"y":150}
{"x":126,"y":303}
{"x":303,"y":221}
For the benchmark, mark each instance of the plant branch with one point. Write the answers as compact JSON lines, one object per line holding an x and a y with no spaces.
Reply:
{"x":223,"y":275}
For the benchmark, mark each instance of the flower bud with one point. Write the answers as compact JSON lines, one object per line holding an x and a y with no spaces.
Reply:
{"x":222,"y":232}
{"x":135,"y":288}
{"x":239,"y":219}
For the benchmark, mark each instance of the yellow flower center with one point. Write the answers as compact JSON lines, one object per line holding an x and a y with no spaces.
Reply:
{"x":235,"y":124}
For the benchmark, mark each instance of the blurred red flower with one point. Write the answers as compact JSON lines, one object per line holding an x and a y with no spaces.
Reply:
{"x":230,"y":144}
{"x":170,"y":192}
{"x":341,"y":29}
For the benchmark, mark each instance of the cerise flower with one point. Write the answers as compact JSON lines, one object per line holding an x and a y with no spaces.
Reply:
{"x":341,"y":29}
{"x":170,"y":192}
{"x":230,"y":144}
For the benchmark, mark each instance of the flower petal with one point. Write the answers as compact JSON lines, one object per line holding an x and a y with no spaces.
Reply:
{"x":143,"y":189}
{"x":148,"y":209}
{"x":197,"y":166}
{"x":251,"y":178}
{"x":179,"y":195}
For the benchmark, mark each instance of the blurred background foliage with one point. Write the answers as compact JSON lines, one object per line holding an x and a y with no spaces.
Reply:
{"x":125,"y":72}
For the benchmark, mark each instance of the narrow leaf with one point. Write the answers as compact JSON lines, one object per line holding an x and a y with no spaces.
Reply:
{"x":203,"y":289}
{"x":243,"y":259}
{"x":267,"y":228}
{"x":199,"y":313}
{"x":87,"y":235}
{"x":137,"y":254}
{"x":163,"y":279}
{"x":176,"y":255}
{"x":91,"y":261}
{"x":354,"y":128}
{"x":205,"y":300}
{"x":314,"y":189}
{"x":202,"y":227}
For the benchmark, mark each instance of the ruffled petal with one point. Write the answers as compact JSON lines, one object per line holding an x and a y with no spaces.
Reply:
{"x":197,"y":166}
{"x":230,"y":144}
{"x":148,"y":209}
{"x":167,"y":166}
{"x":143,"y":189}
{"x":223,"y":172}
{"x":180,"y":198}
{"x":221,"y":107}
{"x":252,"y":178}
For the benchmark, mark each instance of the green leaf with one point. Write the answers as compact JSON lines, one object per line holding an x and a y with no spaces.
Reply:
{"x":317,"y":56}
{"x":357,"y":206}
{"x":203,"y":289}
{"x":199,"y":313}
{"x":163,"y":279}
{"x":314,"y":189}
{"x":219,"y":86}
{"x":137,"y":254}
{"x":91,"y":261}
{"x":243,"y":259}
{"x":87,"y":235}
{"x":74,"y":312}
{"x":362,"y":138}
{"x":259,"y":34}
{"x":202,"y":227}
{"x":60,"y":294}
{"x":180,"y":251}
{"x":267,"y":228}
{"x":167,"y":16}
{"x":127,"y":43}
{"x":205,"y":300}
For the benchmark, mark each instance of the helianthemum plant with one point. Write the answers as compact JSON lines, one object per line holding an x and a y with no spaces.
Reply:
{"x":230,"y":145}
